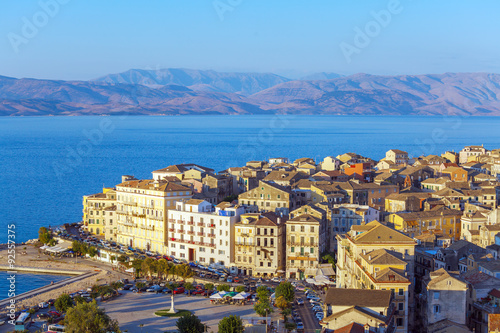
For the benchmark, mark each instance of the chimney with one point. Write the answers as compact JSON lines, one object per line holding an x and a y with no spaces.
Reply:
{"x":369,"y":257}
{"x":364,"y":251}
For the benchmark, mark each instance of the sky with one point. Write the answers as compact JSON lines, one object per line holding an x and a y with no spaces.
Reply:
{"x":81,"y":40}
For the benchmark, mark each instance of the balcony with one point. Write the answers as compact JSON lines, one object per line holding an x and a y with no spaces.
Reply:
{"x":200,"y":234}
{"x":172,"y":220}
{"x":171,"y":229}
{"x":487,"y":307}
{"x":211,"y":225}
{"x":181,"y":231}
{"x":211,"y":235}
{"x":190,"y":232}
{"x":190,"y":222}
{"x":181,"y":222}
{"x":200,"y":224}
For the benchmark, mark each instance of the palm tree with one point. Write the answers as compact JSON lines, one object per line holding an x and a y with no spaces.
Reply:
{"x":188,"y":287}
{"x":162,"y":268}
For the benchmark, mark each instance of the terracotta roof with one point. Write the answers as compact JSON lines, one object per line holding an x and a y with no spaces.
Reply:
{"x":391,"y":275}
{"x":351,"y":328}
{"x":194,"y":201}
{"x":366,"y":298}
{"x":305,"y":218}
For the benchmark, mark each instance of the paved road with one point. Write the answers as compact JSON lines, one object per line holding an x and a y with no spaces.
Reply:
{"x":311,"y":324}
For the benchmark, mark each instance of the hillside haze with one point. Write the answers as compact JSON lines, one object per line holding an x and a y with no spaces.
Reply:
{"x":172,"y":92}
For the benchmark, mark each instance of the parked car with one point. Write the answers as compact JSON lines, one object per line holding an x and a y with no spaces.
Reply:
{"x":276,"y":279}
{"x":317,"y":308}
{"x":230,"y":279}
{"x":198,"y":292}
{"x":299,"y":301}
{"x":179,"y":290}
{"x":314,"y":299}
{"x":43,"y":305}
{"x":44,"y":316}
{"x":54,"y":313}
{"x":320,"y":315}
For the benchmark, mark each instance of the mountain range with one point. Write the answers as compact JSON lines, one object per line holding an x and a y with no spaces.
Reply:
{"x":184,"y":91}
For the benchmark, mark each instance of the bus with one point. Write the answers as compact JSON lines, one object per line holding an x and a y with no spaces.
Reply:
{"x":54,"y":328}
{"x":23,"y":321}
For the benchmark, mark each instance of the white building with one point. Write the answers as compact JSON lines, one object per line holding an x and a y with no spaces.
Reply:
{"x":199,"y":232}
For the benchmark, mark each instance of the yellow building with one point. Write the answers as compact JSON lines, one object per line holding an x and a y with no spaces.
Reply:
{"x":440,"y":220}
{"x":142,"y":209}
{"x":94,"y":210}
{"x":374,"y":256}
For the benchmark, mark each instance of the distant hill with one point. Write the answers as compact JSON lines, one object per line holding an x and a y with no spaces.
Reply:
{"x":239,"y":83}
{"x":321,"y":76}
{"x":475,"y":94}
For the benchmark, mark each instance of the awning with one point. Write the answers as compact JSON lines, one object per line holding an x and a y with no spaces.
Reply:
{"x":130,"y":270}
{"x":293,"y":270}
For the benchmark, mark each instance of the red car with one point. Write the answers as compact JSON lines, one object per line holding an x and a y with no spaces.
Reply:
{"x":54,"y":313}
{"x":179,"y":290}
{"x":197,"y":292}
{"x":237,"y":280}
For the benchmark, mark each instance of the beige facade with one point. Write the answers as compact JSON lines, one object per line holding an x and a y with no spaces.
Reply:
{"x":269,"y":197}
{"x":306,"y":239}
{"x":397,"y":156}
{"x":260,"y":244}
{"x":142,"y":207}
{"x":374,"y":256}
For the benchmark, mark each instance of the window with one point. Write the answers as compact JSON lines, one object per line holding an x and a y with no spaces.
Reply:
{"x":436,"y":295}
{"x":399,"y":322}
{"x":292,"y":249}
{"x":401,"y":292}
{"x":401,"y":306}
{"x":437,"y":308}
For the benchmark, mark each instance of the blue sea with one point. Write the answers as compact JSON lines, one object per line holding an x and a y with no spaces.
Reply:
{"x":48,"y":163}
{"x":26,"y":282}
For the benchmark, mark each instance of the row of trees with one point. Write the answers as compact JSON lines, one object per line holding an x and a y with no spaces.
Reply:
{"x":81,"y":248}
{"x":160,"y":268}
{"x":189,"y":323}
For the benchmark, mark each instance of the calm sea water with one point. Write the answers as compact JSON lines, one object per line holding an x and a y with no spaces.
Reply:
{"x":26,"y":282}
{"x":48,"y":163}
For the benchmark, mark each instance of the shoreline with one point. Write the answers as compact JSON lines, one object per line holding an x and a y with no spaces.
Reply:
{"x":81,"y":275}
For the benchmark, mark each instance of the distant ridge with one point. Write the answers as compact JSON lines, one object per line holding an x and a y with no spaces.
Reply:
{"x":182,"y":91}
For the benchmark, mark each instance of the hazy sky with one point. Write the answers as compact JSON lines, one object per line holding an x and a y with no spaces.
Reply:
{"x":84,"y":39}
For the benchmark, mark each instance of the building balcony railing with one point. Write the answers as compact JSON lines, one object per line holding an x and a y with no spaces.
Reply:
{"x":200,"y":224}
{"x":181,"y":231}
{"x":211,"y":235}
{"x":487,"y":307}
{"x":308,"y":244}
{"x":171,"y":229}
{"x":211,"y":225}
{"x":172,"y":220}
{"x":190,"y":232}
{"x":181,"y":222}
{"x":200,"y":234}
{"x":190,"y":222}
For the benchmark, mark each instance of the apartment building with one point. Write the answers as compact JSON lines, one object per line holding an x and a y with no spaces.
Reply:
{"x":397,"y":156}
{"x":94,"y":210}
{"x":374,"y":256}
{"x":306,"y":240}
{"x":260,"y":244}
{"x":269,"y":197}
{"x":344,"y":216}
{"x":200,"y":232}
{"x":468,"y":151}
{"x":440,"y":220}
{"x":141,"y":211}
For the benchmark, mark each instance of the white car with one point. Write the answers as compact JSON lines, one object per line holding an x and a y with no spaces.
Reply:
{"x":276,"y":279}
{"x":43,"y":305}
{"x":317,"y":308}
{"x":320,"y":315}
{"x":314,"y":299}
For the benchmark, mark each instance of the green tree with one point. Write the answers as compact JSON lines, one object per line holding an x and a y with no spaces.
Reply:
{"x":240,"y":289}
{"x":44,"y":236}
{"x":231,"y":324}
{"x":92,"y":251}
{"x":188,"y":286}
{"x":116,"y":285}
{"x":330,"y":258}
{"x":189,"y":323}
{"x":286,"y":290}
{"x":263,"y":305}
{"x":79,"y":299}
{"x":223,"y":287}
{"x":122,"y":259}
{"x":89,"y":318}
{"x":63,"y":303}
{"x":209,"y":287}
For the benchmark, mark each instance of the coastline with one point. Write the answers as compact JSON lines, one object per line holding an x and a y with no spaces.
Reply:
{"x":82,"y":275}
